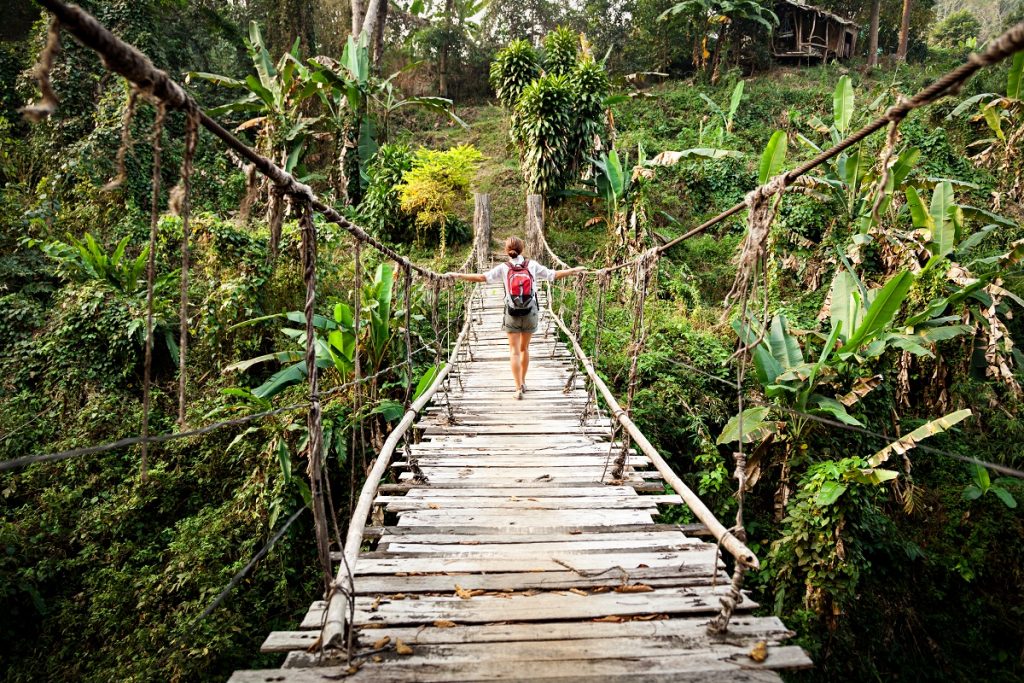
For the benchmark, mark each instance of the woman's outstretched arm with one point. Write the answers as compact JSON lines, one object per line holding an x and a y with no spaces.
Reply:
{"x":559,"y":274}
{"x":468,"y":277}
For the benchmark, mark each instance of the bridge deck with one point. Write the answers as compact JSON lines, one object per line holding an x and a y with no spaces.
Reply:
{"x":515,"y":561}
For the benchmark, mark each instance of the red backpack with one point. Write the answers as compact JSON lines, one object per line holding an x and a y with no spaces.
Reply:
{"x":519,"y":285}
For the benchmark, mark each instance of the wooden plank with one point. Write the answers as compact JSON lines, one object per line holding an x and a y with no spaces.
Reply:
{"x":522,"y":581}
{"x":593,"y":544}
{"x":523,"y":461}
{"x":539,"y":607}
{"x":704,"y":560}
{"x":549,"y":492}
{"x":741,"y":628}
{"x":702,"y":652}
{"x":495,"y":518}
{"x":638,"y":486}
{"x":627,"y":671}
{"x":529,"y":532}
{"x":398,"y":504}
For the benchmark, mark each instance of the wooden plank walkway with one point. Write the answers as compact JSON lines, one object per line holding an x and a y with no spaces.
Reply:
{"x":517,"y":561}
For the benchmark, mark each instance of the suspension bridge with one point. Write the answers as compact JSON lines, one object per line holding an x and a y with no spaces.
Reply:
{"x":516,"y":540}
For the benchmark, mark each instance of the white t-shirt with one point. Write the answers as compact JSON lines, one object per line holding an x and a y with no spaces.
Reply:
{"x":499,"y":273}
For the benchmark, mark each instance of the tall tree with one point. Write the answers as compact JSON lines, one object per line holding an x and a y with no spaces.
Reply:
{"x":876,"y":7}
{"x":901,"y":51}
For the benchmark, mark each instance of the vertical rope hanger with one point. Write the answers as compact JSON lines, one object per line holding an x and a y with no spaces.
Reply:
{"x":147,"y":371}
{"x":646,"y":267}
{"x":314,"y":418}
{"x":181,"y":204}
{"x":414,"y":467}
{"x":357,"y":401}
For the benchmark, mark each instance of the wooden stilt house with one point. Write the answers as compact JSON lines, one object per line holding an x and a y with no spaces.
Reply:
{"x":806,"y":31}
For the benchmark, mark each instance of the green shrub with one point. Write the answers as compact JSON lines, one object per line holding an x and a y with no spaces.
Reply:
{"x":512,"y":70}
{"x":546,"y":110}
{"x":431,"y":188}
{"x":560,"y":51}
{"x":381,"y":208}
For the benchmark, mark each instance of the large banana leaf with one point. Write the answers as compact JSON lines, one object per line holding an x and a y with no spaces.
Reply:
{"x":911,"y":440}
{"x":755,"y":426}
{"x":842,"y":104}
{"x":773,"y":157}
{"x":943,"y":219}
{"x":785,"y":348}
{"x":766,"y":367}
{"x":1015,"y":79}
{"x":882,"y":309}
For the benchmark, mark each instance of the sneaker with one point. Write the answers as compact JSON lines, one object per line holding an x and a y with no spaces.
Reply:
{"x":519,"y":394}
{"x":522,"y":388}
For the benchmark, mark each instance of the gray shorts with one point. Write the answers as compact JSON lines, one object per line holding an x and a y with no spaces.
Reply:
{"x":521,"y":323}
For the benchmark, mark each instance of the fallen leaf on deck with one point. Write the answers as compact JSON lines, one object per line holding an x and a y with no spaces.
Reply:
{"x":467,"y":594}
{"x":577,"y":591}
{"x":444,"y":623}
{"x":760,"y":651}
{"x":377,"y":659}
{"x":575,"y":531}
{"x":634,"y":588}
{"x":382,"y":642}
{"x":611,"y":618}
{"x":433,"y":506}
{"x":401,"y":648}
{"x":397,"y":596}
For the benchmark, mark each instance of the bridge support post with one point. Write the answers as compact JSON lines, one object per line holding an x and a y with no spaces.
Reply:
{"x":315,"y":440}
{"x":534,"y":225}
{"x":482,"y":229}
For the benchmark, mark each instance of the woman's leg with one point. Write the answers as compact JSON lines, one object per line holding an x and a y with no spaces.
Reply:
{"x":524,"y":355}
{"x":515,"y":357}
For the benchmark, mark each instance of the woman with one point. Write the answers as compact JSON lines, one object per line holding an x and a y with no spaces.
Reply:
{"x":521,"y":311}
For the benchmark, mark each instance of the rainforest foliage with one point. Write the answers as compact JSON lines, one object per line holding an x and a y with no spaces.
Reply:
{"x":888,"y":311}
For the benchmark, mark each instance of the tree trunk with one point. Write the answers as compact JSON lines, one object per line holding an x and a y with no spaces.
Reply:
{"x":901,"y":51}
{"x":357,"y":17}
{"x":378,"y":37}
{"x":442,"y":62}
{"x":370,"y":20}
{"x":876,"y":6}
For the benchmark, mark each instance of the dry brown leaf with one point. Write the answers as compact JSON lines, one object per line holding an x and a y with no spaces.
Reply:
{"x":577,"y":591}
{"x":401,"y":648}
{"x":469,"y":542}
{"x":760,"y":651}
{"x":373,"y":626}
{"x":611,"y":619}
{"x":433,"y":506}
{"x":444,"y":623}
{"x":376,"y":604}
{"x":634,"y":588}
{"x":467,"y":594}
{"x":377,"y":659}
{"x":397,"y":596}
{"x":382,"y":642}
{"x":650,"y":617}
{"x":599,"y":589}
{"x":575,"y":532}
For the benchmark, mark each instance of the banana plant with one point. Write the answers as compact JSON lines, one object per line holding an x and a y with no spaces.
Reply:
{"x":335,"y":342}
{"x":724,"y":123}
{"x":359,"y":107}
{"x":1003,"y":114}
{"x":274,"y":96}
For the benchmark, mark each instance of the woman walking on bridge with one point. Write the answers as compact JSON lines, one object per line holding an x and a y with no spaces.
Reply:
{"x":522,"y":311}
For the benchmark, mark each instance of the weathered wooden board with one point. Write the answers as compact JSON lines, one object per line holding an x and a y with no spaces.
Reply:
{"x":741,"y":630}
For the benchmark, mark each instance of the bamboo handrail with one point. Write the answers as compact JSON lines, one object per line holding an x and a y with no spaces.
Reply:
{"x":333,"y":633}
{"x":731,"y":543}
